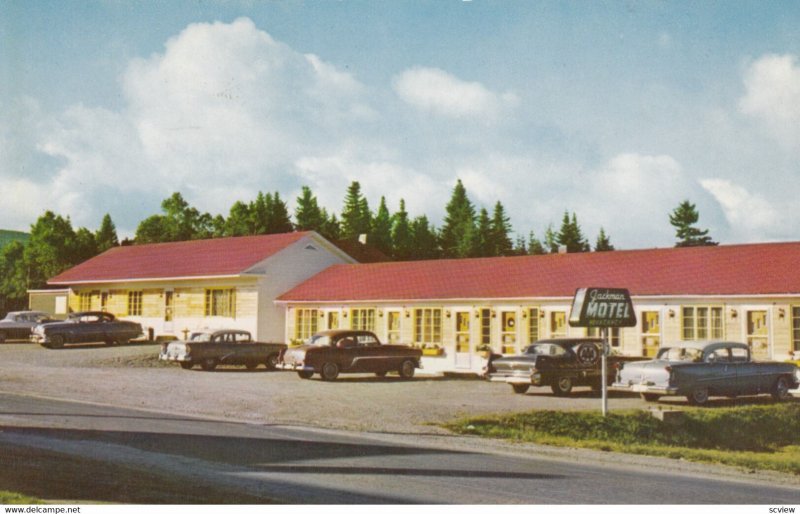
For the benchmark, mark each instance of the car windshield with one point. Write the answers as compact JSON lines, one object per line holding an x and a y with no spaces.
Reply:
{"x":201,"y":337}
{"x":320,"y":340}
{"x":681,"y":354}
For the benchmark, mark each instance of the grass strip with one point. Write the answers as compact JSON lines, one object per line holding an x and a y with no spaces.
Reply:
{"x":762,"y":437}
{"x":11,"y":498}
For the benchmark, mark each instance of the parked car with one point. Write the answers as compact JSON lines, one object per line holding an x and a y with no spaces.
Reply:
{"x":350,"y":351}
{"x":558,"y":363}
{"x":17,"y":325}
{"x":700,"y":369}
{"x":229,"y":347}
{"x":86,"y":327}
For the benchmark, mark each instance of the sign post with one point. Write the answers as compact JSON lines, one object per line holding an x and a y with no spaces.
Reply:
{"x":602,"y":308}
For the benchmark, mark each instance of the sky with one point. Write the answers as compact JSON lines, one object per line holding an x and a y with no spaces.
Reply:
{"x":616,"y":111}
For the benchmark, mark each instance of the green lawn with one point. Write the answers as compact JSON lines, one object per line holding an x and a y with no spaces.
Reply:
{"x":9,"y":498}
{"x":753,"y":437}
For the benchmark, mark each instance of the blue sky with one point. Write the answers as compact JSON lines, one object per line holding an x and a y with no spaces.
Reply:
{"x":615,"y":110}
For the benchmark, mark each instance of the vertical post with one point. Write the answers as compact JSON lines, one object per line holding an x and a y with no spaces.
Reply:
{"x":604,"y":371}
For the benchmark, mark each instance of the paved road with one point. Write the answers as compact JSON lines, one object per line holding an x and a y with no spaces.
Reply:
{"x":299,"y":464}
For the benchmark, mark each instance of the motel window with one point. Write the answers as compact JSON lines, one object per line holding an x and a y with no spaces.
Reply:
{"x":428,"y":326}
{"x":533,"y":325}
{"x":613,"y":335}
{"x":558,"y":324}
{"x":796,"y":329}
{"x":85,"y":301}
{"x":220,"y":302}
{"x":393,"y":327}
{"x":486,"y":326}
{"x":305,"y":323}
{"x":362,"y":319}
{"x":701,"y":323}
{"x":134,"y":303}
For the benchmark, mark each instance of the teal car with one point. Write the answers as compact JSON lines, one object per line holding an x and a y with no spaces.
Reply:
{"x":701,"y":369}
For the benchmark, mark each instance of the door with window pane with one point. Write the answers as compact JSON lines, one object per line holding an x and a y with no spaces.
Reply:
{"x":393,"y":327}
{"x":651,"y":333}
{"x":463,"y":340}
{"x":758,"y":334}
{"x":508,"y":336}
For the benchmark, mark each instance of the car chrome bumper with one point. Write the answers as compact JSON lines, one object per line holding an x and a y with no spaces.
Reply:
{"x":174,"y":358}
{"x":644,"y":388}
{"x":510,"y":379}
{"x":293,"y":367}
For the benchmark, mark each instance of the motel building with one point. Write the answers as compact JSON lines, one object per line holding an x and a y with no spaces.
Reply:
{"x":286,"y":287}
{"x":174,"y":289}
{"x":455,"y":310}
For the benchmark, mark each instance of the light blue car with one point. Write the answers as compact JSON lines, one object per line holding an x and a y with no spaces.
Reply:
{"x":701,"y":369}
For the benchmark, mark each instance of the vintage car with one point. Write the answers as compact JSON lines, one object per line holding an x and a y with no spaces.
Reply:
{"x":349,"y":351}
{"x":17,"y":325}
{"x":227,"y":347}
{"x":558,"y":363}
{"x":86,"y":327}
{"x":700,"y":369}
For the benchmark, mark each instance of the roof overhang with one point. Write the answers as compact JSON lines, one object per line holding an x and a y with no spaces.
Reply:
{"x":153,"y":279}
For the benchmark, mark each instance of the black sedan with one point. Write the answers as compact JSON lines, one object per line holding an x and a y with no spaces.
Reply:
{"x":86,"y":327}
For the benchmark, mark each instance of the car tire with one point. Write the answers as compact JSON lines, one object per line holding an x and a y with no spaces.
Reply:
{"x":380,"y":374}
{"x":329,"y":371}
{"x":650,"y":397}
{"x":186,"y":365}
{"x":562,"y":387}
{"x":698,"y":396}
{"x":780,"y":390}
{"x":56,"y":342}
{"x":251,"y":365}
{"x":208,"y":364}
{"x":520,"y":388}
{"x":122,"y":342}
{"x":305,"y":374}
{"x":272,"y":362}
{"x":407,"y":369}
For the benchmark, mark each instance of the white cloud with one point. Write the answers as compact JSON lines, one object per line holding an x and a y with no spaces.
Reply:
{"x":435,"y":90}
{"x":751,"y":217}
{"x":772,"y":96}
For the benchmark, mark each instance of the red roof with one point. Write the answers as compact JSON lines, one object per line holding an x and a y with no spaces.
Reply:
{"x":205,"y":257}
{"x":753,"y":269}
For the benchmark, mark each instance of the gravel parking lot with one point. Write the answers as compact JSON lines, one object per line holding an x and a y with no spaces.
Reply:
{"x":130,"y":376}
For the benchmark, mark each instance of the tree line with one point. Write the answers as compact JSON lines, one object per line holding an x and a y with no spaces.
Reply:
{"x":54,"y":245}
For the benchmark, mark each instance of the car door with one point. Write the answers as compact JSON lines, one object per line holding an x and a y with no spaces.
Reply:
{"x":371,"y":355}
{"x":347,"y":354}
{"x":747,"y":379}
{"x":719,"y":374}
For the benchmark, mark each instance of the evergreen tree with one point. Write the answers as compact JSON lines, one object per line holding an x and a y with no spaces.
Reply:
{"x":483,"y":240}
{"x":570,"y":235}
{"x":355,"y":214}
{"x":402,"y":244}
{"x":550,"y":240}
{"x":459,"y":224}
{"x":259,"y":214}
{"x":683,"y":219}
{"x":381,"y":234}
{"x":307,"y":214}
{"x":520,"y":247}
{"x":423,"y":239}
{"x":278,"y":215}
{"x":500,"y":240}
{"x":106,"y":235}
{"x":603,"y":243}
{"x":535,"y":246}
{"x":331,"y":229}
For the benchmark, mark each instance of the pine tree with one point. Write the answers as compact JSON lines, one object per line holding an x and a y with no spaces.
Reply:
{"x":520,"y":247}
{"x":355,"y":214}
{"x":570,"y":235}
{"x":423,"y":239}
{"x":307,"y":214}
{"x":535,"y":246}
{"x":459,"y":224}
{"x":331,"y":229}
{"x":500,"y":232}
{"x":279,"y":220}
{"x":683,"y":219}
{"x":106,"y":235}
{"x":483,"y":241}
{"x":381,"y":233}
{"x":550,"y":240}
{"x":402,"y":245}
{"x":603,"y":243}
